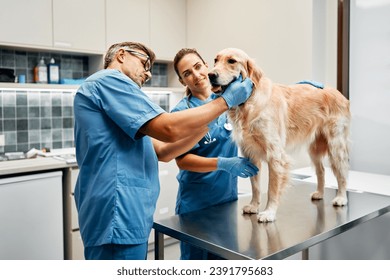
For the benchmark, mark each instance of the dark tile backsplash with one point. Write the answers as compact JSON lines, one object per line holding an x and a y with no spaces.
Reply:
{"x":23,"y":63}
{"x":32,"y":118}
{"x":71,"y":66}
{"x":159,"y":75}
{"x":36,"y":119}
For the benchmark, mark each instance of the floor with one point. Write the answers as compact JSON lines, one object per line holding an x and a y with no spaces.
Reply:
{"x":171,"y":252}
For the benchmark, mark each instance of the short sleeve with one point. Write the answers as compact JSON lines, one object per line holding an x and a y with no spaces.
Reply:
{"x":125,"y":103}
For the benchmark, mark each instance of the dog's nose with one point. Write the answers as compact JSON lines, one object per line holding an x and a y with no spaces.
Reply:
{"x":213,"y":77}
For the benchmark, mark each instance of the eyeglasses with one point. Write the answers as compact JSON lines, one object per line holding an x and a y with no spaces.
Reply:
{"x":147,"y":63}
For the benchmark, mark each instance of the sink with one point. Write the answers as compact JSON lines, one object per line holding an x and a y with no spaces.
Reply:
{"x":12,"y":156}
{"x":3,"y":158}
{"x":58,"y":152}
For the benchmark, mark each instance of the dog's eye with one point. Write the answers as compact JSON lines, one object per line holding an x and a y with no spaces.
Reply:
{"x":232,"y":61}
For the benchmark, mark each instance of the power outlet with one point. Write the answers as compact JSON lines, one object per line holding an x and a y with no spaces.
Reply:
{"x":2,"y":140}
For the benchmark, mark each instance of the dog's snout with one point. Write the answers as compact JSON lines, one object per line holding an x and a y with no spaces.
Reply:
{"x":213,"y":77}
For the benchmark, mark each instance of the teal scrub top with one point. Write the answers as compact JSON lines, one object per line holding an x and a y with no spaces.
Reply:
{"x":118,"y":184}
{"x":201,"y":190}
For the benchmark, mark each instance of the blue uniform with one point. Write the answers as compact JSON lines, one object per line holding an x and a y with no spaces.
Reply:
{"x":202,"y":190}
{"x":118,"y":184}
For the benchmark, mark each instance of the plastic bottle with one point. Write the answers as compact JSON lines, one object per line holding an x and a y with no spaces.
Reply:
{"x":53,"y":72}
{"x":40,"y":72}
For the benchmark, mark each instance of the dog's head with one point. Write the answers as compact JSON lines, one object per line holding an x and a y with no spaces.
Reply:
{"x":229,"y":64}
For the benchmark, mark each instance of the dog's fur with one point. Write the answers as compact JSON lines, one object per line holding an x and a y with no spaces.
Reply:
{"x":277,"y":117}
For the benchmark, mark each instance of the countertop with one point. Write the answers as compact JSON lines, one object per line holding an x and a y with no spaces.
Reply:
{"x":357,"y":180}
{"x":32,"y":165}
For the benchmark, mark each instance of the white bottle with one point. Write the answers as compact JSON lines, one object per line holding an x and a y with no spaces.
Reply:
{"x":40,"y":72}
{"x":53,"y":72}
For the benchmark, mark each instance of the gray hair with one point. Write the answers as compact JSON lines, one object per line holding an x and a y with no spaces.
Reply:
{"x":111,"y":52}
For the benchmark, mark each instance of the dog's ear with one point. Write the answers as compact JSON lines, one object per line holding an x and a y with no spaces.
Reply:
{"x":254,"y":72}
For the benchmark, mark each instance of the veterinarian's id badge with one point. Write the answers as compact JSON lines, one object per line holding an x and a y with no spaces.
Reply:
{"x":228,"y":126}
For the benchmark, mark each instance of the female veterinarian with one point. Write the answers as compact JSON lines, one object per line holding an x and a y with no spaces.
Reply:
{"x":208,"y":172}
{"x":118,"y":185}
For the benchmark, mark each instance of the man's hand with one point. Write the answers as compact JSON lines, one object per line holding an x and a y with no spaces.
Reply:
{"x":238,"y":92}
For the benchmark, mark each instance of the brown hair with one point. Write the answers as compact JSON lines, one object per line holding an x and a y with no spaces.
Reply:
{"x":179,"y":55}
{"x":110,"y":54}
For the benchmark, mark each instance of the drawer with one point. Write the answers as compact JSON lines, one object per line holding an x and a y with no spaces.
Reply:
{"x":73,"y":178}
{"x":77,"y":247}
{"x":74,"y":214}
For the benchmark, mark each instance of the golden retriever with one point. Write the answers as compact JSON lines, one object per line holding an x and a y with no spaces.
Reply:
{"x":278,"y":117}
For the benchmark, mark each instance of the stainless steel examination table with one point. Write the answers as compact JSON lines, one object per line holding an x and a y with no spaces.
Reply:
{"x":300,"y":223}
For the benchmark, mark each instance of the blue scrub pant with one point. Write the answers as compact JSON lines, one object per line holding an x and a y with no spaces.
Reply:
{"x":189,"y":252}
{"x":117,"y":252}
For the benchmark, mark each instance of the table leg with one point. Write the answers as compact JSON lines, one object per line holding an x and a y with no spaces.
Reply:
{"x":305,"y":254}
{"x":158,"y":245}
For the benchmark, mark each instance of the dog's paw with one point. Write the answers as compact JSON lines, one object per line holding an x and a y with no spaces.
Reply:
{"x":317,"y":195}
{"x":266,"y":216}
{"x":340,"y":201}
{"x":250,"y":209}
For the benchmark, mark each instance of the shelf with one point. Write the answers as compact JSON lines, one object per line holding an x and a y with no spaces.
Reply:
{"x":30,"y":86}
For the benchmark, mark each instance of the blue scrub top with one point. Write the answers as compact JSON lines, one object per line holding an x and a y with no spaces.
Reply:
{"x":118,"y":184}
{"x":202,"y":190}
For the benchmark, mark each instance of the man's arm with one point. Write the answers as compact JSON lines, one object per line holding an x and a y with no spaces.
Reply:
{"x":168,"y":151}
{"x":172,"y":127}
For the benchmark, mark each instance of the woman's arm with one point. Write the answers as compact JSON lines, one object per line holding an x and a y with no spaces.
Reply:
{"x":236,"y":166}
{"x":197,"y":163}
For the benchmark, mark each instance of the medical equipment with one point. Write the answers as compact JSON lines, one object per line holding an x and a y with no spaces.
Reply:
{"x":228,"y":126}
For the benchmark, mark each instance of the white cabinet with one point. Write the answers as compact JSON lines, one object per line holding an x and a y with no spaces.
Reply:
{"x":54,"y":24}
{"x":127,"y":20}
{"x":168,"y":190}
{"x":166,"y":202}
{"x":74,"y":248}
{"x":31,"y":217}
{"x":167,"y":27}
{"x":159,"y":24}
{"x":79,"y":25}
{"x":26,"y":22}
{"x":91,"y":26}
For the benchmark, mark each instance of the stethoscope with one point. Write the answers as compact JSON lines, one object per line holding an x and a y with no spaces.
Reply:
{"x":228,"y":126}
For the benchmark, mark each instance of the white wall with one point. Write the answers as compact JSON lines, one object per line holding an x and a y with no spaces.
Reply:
{"x":277,"y":33}
{"x":325,"y":42}
{"x":370,"y":85}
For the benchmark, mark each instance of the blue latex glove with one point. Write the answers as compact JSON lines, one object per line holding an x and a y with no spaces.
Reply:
{"x":238,"y":92}
{"x":237,"y":166}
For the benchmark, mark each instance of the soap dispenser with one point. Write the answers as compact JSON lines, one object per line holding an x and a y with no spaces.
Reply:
{"x":53,"y":72}
{"x":40,"y":72}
